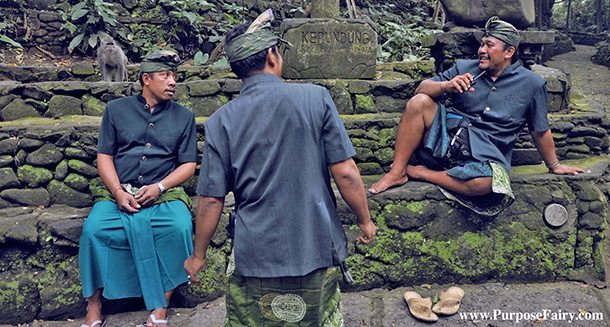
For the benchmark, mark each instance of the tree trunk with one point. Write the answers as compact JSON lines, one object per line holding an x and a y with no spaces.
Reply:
{"x":568,"y":15}
{"x":599,"y":15}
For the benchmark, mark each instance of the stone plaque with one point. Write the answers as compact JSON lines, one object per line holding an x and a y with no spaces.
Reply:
{"x":329,"y":48}
{"x":555,"y":215}
{"x":476,"y":12}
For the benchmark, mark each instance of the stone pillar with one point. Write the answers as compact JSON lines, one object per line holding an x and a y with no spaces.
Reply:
{"x":324,"y":8}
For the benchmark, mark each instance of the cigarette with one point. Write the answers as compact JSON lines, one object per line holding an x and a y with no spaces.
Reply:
{"x":474,"y":80}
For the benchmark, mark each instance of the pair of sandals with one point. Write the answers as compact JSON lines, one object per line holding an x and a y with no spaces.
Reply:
{"x":97,"y":323}
{"x":422,"y":309}
{"x":153,"y":319}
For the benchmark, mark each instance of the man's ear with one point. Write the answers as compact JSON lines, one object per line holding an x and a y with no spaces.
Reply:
{"x":272,"y":57}
{"x":146,"y":77}
{"x":510,"y":52}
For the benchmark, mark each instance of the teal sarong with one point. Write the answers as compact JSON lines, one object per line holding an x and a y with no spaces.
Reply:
{"x":133,"y":255}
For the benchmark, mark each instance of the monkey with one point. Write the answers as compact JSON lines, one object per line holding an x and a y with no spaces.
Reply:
{"x":112,"y":61}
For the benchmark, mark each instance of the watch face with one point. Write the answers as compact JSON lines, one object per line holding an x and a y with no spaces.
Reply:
{"x":556,"y":215}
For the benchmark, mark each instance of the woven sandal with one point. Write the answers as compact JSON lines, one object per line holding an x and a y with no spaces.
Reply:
{"x":419,"y":307}
{"x":449,"y":302}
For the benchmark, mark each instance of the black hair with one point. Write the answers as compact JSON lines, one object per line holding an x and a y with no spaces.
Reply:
{"x":246,"y":67}
{"x":515,"y":56}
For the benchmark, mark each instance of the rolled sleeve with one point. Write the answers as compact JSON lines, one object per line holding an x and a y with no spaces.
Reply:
{"x":106,"y":143}
{"x":336,"y":142}
{"x":213,"y":178}
{"x":537,"y":120}
{"x":187,"y":150}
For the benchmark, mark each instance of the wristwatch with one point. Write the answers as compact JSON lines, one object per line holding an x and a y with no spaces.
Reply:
{"x":161,"y":187}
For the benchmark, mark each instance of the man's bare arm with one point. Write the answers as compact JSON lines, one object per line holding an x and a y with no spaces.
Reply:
{"x":107,"y":171}
{"x":546,"y":147}
{"x":151,"y":192}
{"x":209,"y":210}
{"x":458,"y":84}
{"x":348,"y":180}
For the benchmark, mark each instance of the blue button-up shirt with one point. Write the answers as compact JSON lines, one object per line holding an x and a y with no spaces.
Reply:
{"x":272,"y":147}
{"x":498,"y":110}
{"x":147,"y":146}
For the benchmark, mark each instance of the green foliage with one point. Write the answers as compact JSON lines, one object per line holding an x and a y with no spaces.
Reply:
{"x":8,"y":27}
{"x":88,"y":22}
{"x":400,"y":29}
{"x":583,"y":15}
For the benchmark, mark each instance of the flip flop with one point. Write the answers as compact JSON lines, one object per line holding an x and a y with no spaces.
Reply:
{"x":449,"y":302}
{"x":95,"y":323}
{"x":419,"y":307}
{"x":156,"y":321}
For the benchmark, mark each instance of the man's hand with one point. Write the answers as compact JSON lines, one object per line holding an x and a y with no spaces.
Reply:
{"x":368,"y":232}
{"x":192,"y":265}
{"x":458,"y":84}
{"x":567,"y":170}
{"x":126,"y":201}
{"x":148,"y":194}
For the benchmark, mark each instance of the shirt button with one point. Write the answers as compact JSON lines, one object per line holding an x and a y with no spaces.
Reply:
{"x":140,"y":178}
{"x":151,"y":125}
{"x":469,"y":124}
{"x":487,"y":109}
{"x":148,"y":145}
{"x":493,"y":88}
{"x":147,"y":107}
{"x":143,"y":158}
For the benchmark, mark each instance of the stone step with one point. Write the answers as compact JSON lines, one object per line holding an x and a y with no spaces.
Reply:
{"x":423,"y":238}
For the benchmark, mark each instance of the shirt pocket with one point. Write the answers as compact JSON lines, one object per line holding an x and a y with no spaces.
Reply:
{"x":169,"y":140}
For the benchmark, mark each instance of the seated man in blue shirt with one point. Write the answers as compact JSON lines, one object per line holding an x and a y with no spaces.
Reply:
{"x":275,"y":147}
{"x":139,"y":231}
{"x":467,"y":147}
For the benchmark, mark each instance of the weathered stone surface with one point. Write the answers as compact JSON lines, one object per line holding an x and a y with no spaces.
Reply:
{"x":476,"y":12}
{"x":63,"y":105}
{"x":20,"y":301}
{"x":65,"y":223}
{"x":48,"y":154}
{"x":562,"y":127}
{"x":20,"y":228}
{"x":329,"y":48}
{"x":18,"y":109}
{"x":203,"y":88}
{"x":363,"y":154}
{"x":364,"y":104}
{"x":34,"y":92}
{"x":4,"y":100}
{"x":30,"y":144}
{"x":60,"y":291}
{"x":76,"y":153}
{"x":62,"y":194}
{"x":82,"y":167}
{"x":205,"y":107}
{"x":28,"y":197}
{"x":37,"y":104}
{"x":9,"y":146}
{"x":6,"y":160}
{"x":558,"y":86}
{"x":587,"y":131}
{"x":385,"y":103}
{"x":83,"y":69}
{"x":61,"y":171}
{"x":34,"y":176}
{"x":370,"y":168}
{"x":8,"y":178}
{"x":325,"y":9}
{"x":20,"y":157}
{"x":359,"y":87}
{"x":213,"y":279}
{"x":92,"y":106}
{"x":77,"y":182}
{"x":525,"y":157}
{"x":342,"y":99}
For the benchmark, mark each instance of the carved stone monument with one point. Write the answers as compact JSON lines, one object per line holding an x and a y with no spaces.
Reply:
{"x":329,"y":47}
{"x":476,"y":12}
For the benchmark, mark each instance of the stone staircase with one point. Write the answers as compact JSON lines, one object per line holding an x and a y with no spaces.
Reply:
{"x":48,"y":136}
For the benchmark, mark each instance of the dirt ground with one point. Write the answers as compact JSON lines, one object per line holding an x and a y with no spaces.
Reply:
{"x":35,"y":57}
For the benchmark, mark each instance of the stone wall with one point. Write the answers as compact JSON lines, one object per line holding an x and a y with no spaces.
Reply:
{"x":602,"y":57}
{"x":422,"y":238}
{"x":587,"y":38}
{"x":563,"y":44}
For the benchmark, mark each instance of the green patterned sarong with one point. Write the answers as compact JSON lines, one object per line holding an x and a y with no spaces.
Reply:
{"x":311,"y":300}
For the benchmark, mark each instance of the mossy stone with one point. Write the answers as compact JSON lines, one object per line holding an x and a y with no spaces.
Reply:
{"x":34,"y":176}
{"x":9,"y":146}
{"x":93,"y":106}
{"x":77,"y":182}
{"x":8,"y":178}
{"x":203,"y":88}
{"x":19,"y":301}
{"x":61,"y":193}
{"x":365,"y":104}
{"x":61,"y":171}
{"x":6,"y":160}
{"x":63,"y":105}
{"x":28,"y":197}
{"x":18,"y":109}
{"x":48,"y":154}
{"x":82,"y":168}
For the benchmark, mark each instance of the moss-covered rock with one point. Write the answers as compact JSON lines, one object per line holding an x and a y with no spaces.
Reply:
{"x":61,"y":171}
{"x":61,"y":193}
{"x":60,"y":290}
{"x":63,"y":105}
{"x":77,"y":182}
{"x":370,"y":168}
{"x":48,"y":154}
{"x":18,"y":109}
{"x":6,"y":160}
{"x":19,"y":301}
{"x":34,"y":176}
{"x":213,"y":280}
{"x":93,"y":106}
{"x":203,"y":88}
{"x":8,"y":178}
{"x":342,"y":99}
{"x":365,"y":104}
{"x":82,"y":168}
{"x":28,"y":197}
{"x":9,"y":146}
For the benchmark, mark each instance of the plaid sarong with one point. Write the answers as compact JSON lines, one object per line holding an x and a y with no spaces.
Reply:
{"x":311,"y":300}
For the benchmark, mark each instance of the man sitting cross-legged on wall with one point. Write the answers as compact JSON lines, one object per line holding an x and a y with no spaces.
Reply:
{"x":466,"y":148}
{"x":138,"y":233}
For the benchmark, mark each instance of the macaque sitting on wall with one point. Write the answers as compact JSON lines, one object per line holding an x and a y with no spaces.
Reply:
{"x":112,"y":61}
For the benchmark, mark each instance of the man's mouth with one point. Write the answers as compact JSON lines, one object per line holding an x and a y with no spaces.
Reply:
{"x":172,"y":92}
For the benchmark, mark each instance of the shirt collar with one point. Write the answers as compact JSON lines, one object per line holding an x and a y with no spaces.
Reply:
{"x":511,"y":69}
{"x":160,"y":106}
{"x":258,"y":78}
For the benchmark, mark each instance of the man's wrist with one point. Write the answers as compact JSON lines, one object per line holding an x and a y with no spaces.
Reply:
{"x":551,"y":167}
{"x":116,"y":189}
{"x":161,"y":187}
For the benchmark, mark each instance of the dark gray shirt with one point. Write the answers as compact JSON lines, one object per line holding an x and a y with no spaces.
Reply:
{"x":271,"y":147}
{"x":499,"y":110}
{"x":147,"y":146}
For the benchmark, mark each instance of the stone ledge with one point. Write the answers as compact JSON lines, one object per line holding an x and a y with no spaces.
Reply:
{"x":422,"y":238}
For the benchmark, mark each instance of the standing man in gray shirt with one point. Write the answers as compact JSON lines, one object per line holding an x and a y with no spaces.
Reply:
{"x":275,"y":147}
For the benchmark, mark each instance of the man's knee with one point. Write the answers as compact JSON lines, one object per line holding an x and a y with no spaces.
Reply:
{"x":421,"y":103}
{"x":479,"y":186}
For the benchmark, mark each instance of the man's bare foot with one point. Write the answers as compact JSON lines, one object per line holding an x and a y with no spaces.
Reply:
{"x":157,"y":318}
{"x":417,"y":172}
{"x":94,"y":314}
{"x":388,"y":180}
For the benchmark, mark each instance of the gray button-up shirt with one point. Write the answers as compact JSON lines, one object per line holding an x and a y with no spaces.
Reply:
{"x":147,"y":146}
{"x":499,"y":110}
{"x":272,"y":147}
